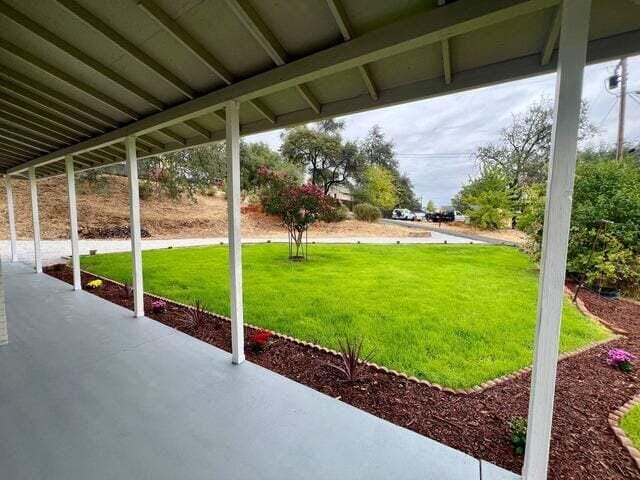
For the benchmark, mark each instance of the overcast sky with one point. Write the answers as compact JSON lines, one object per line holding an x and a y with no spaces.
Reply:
{"x":435,"y":139}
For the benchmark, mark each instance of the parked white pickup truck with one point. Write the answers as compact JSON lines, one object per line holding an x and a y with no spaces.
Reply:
{"x":402,"y":214}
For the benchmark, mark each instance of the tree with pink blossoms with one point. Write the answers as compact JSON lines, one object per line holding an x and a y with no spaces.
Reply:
{"x":298,"y":206}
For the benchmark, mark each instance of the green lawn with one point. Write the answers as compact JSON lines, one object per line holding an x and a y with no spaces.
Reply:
{"x":630,"y":423}
{"x":455,"y":315}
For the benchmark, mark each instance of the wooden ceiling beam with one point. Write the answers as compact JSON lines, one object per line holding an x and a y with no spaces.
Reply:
{"x":17,"y":121}
{"x":268,"y":41}
{"x":12,"y":134}
{"x":552,"y":37}
{"x":128,"y":47}
{"x":199,"y":129}
{"x":177,"y":32}
{"x":197,"y":49}
{"x":74,"y":52}
{"x":65,"y":77}
{"x":82,"y":111}
{"x":72,"y":121}
{"x":344,"y":25}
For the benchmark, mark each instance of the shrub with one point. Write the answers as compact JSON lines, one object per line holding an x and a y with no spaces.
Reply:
{"x":490,"y":209}
{"x":350,"y":353}
{"x":335,"y":215}
{"x":126,"y":290}
{"x":210,"y":191}
{"x":159,"y":306}
{"x":197,"y":315}
{"x":518,"y":434}
{"x":531,"y":219}
{"x":93,"y":284}
{"x":366,"y":212}
{"x":145,"y":190}
{"x":605,"y":189}
{"x":95,"y":181}
{"x":620,"y":359}
{"x":609,"y":266}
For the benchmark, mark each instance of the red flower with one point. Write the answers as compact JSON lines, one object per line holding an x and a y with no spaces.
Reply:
{"x":260,"y":338}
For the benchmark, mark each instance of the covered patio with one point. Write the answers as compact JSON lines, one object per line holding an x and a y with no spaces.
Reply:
{"x":87,"y":84}
{"x":87,"y":392}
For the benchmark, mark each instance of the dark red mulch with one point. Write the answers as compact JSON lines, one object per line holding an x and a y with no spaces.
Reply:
{"x":583,"y":446}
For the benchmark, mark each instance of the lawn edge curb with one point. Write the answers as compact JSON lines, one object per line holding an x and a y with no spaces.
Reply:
{"x":618,"y":333}
{"x":580,"y":305}
{"x":614,"y":422}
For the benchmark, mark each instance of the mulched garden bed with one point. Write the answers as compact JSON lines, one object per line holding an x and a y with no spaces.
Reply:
{"x":583,"y":445}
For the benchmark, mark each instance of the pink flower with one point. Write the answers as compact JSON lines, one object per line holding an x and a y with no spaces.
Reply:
{"x":616,"y":356}
{"x":159,"y":306}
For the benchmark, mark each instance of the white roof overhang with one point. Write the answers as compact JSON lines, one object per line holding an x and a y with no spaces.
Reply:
{"x":78,"y":76}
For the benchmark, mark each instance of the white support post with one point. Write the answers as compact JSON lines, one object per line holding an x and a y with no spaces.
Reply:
{"x":35,"y":216}
{"x":235,"y":249}
{"x":4,"y":334}
{"x":73,"y":221}
{"x":12,"y":218}
{"x":572,"y":54}
{"x":134,"y":226}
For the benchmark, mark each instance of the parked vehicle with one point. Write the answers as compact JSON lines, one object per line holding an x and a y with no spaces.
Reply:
{"x":447,"y":214}
{"x":419,"y":215}
{"x":402,"y":214}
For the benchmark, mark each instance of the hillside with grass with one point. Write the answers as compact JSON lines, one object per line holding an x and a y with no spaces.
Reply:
{"x":104,"y":204}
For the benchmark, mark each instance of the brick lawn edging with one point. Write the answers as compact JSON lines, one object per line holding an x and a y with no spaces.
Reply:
{"x":456,"y":391}
{"x":614,"y":423}
{"x":585,"y":311}
{"x":631,"y":300}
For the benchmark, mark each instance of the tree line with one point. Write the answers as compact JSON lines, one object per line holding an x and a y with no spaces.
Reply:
{"x":510,"y":190}
{"x":317,"y":154}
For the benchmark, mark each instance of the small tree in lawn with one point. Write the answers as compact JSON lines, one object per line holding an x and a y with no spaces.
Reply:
{"x":298,"y":206}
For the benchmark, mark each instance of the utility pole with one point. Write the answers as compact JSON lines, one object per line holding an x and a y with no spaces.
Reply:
{"x":622,"y":66}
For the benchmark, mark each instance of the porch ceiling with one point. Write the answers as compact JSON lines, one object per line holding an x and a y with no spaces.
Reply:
{"x":77,"y":76}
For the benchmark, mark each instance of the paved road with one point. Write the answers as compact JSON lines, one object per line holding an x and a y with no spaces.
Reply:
{"x":431,"y":227}
{"x":54,"y":250}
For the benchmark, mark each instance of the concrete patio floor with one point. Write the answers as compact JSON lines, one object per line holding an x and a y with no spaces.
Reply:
{"x":89,"y":392}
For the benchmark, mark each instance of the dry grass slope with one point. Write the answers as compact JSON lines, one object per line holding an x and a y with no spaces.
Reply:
{"x":163,"y":218}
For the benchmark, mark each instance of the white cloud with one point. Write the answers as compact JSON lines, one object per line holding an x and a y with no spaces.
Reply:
{"x":428,"y":132}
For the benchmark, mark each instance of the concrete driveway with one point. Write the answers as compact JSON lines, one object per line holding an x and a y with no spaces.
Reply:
{"x":53,"y":251}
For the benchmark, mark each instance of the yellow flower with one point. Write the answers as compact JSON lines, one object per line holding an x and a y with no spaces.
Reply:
{"x":94,"y":283}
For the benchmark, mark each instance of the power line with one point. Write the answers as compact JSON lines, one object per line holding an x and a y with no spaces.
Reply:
{"x":445,"y":154}
{"x":633,"y":97}
{"x":613,"y":105}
